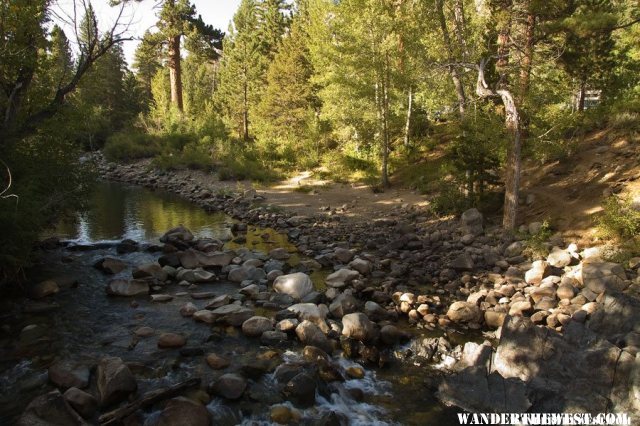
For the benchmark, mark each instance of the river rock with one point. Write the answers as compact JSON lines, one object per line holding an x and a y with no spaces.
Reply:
{"x":361,"y":265}
{"x":284,"y":415}
{"x":115,"y":381}
{"x":341,"y":278}
{"x":233,"y":315}
{"x":343,"y":304}
{"x":343,"y":255}
{"x":85,"y":404}
{"x":255,"y":326}
{"x":559,"y":258}
{"x":110,"y":265}
{"x":43,"y":289}
{"x":177,"y":234}
{"x":296,"y":285}
{"x":66,"y":375}
{"x":309,"y":311}
{"x":171,"y":340}
{"x":127,"y":288}
{"x":471,"y":222}
{"x":464,"y":312}
{"x":216,"y":259}
{"x":301,"y":390}
{"x":181,"y":411}
{"x":243,"y":273}
{"x":390,"y":334}
{"x":279,"y":254}
{"x":217,"y":362}
{"x":375,"y":312}
{"x":49,"y":408}
{"x":463,"y":262}
{"x":161,"y":298}
{"x":144,"y":331}
{"x":538,"y":271}
{"x":310,"y":334}
{"x":205,"y":316}
{"x":150,"y":270}
{"x":197,"y":275}
{"x":229,"y":386}
{"x":514,"y":249}
{"x":600,"y":276}
{"x":218,"y":301}
{"x":287,"y":325}
{"x":188,"y":309}
{"x":358,"y":326}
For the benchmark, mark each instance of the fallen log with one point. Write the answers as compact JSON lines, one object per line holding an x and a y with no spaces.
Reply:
{"x":116,"y":416}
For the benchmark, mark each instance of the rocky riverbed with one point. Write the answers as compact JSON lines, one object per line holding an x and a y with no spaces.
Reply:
{"x":561,"y":333}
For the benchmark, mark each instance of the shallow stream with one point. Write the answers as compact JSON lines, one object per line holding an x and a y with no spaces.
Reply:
{"x":88,"y":325}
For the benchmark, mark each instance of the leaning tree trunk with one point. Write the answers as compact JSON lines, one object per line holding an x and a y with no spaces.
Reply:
{"x":582,"y":94}
{"x":175,"y":73}
{"x":513,"y":167}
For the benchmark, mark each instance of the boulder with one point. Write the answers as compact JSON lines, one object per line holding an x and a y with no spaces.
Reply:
{"x":177,"y":234}
{"x":341,"y":278}
{"x":375,"y":312}
{"x":343,"y":255}
{"x":358,"y":326}
{"x":229,"y":386}
{"x":43,"y":289}
{"x":110,"y":265}
{"x":181,"y":411}
{"x":514,"y":249}
{"x":463,"y":262}
{"x":68,"y":374}
{"x":538,"y":271}
{"x":343,"y":304}
{"x":205,"y":316}
{"x":115,"y":381}
{"x":197,"y":275}
{"x":47,"y":409}
{"x":301,"y":390}
{"x":188,"y":309}
{"x":127,"y":288}
{"x":243,"y":273}
{"x":361,"y":265}
{"x":464,"y":312}
{"x":471,"y":222}
{"x":85,"y":404}
{"x":559,"y":258}
{"x":150,"y":270}
{"x":217,"y":362}
{"x":601,"y":276}
{"x":279,"y":254}
{"x":310,"y":334}
{"x":255,"y":326}
{"x":309,"y":311}
{"x":296,"y":285}
{"x":171,"y":340}
{"x":233,"y":315}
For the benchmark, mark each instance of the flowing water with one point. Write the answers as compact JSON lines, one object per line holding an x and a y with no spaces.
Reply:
{"x":88,"y":325}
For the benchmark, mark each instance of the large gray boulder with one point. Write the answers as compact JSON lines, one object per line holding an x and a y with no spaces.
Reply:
{"x":471,"y":222}
{"x":296,"y":285}
{"x":358,"y":326}
{"x":50,"y":409}
{"x":115,"y":381}
{"x":256,"y":325}
{"x":310,"y":334}
{"x":601,"y":276}
{"x":464,"y":312}
{"x":341,"y":278}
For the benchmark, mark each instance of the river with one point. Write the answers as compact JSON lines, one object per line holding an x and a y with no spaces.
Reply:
{"x":85,"y":324}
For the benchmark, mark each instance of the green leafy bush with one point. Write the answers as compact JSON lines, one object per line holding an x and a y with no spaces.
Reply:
{"x":131,"y":145}
{"x":620,"y":218}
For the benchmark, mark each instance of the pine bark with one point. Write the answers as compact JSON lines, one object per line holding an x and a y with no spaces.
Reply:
{"x":453,"y":71}
{"x":175,"y":73}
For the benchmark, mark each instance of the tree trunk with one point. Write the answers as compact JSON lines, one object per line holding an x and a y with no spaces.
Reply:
{"x":582,"y":94}
{"x":453,"y":71}
{"x":512,"y":175}
{"x":175,"y":73}
{"x":407,"y":124}
{"x":385,"y":123}
{"x":461,"y":27}
{"x":527,"y":59}
{"x":245,"y":107}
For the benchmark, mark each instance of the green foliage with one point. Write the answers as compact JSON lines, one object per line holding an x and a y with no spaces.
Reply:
{"x":131,"y":145}
{"x":620,"y":218}
{"x":536,"y":244}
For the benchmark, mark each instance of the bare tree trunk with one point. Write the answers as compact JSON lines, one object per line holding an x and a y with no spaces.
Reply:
{"x":453,"y":71}
{"x":527,"y":59}
{"x":175,"y":73}
{"x":461,"y":27}
{"x":407,"y":124}
{"x":512,"y":176}
{"x":245,"y":106}
{"x":582,"y":94}
{"x":513,"y":166}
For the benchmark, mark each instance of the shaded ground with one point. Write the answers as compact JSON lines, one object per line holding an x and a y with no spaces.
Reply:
{"x":568,"y":193}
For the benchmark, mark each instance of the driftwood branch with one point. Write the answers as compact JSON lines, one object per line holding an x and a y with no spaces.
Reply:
{"x":116,"y":416}
{"x":8,"y":187}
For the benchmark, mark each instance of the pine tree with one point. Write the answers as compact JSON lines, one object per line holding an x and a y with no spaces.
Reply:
{"x":147,"y":62}
{"x":241,"y":70}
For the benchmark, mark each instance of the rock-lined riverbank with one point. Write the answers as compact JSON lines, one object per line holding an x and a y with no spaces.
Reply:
{"x":553,"y":325}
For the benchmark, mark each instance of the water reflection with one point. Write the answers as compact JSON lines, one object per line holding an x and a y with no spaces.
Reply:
{"x":118,"y":211}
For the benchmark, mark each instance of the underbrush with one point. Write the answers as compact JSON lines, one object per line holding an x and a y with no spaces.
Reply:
{"x":620,"y":223}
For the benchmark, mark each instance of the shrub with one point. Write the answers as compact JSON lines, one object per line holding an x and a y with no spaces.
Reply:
{"x":537,"y":243}
{"x":620,"y":218}
{"x":131,"y":145}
